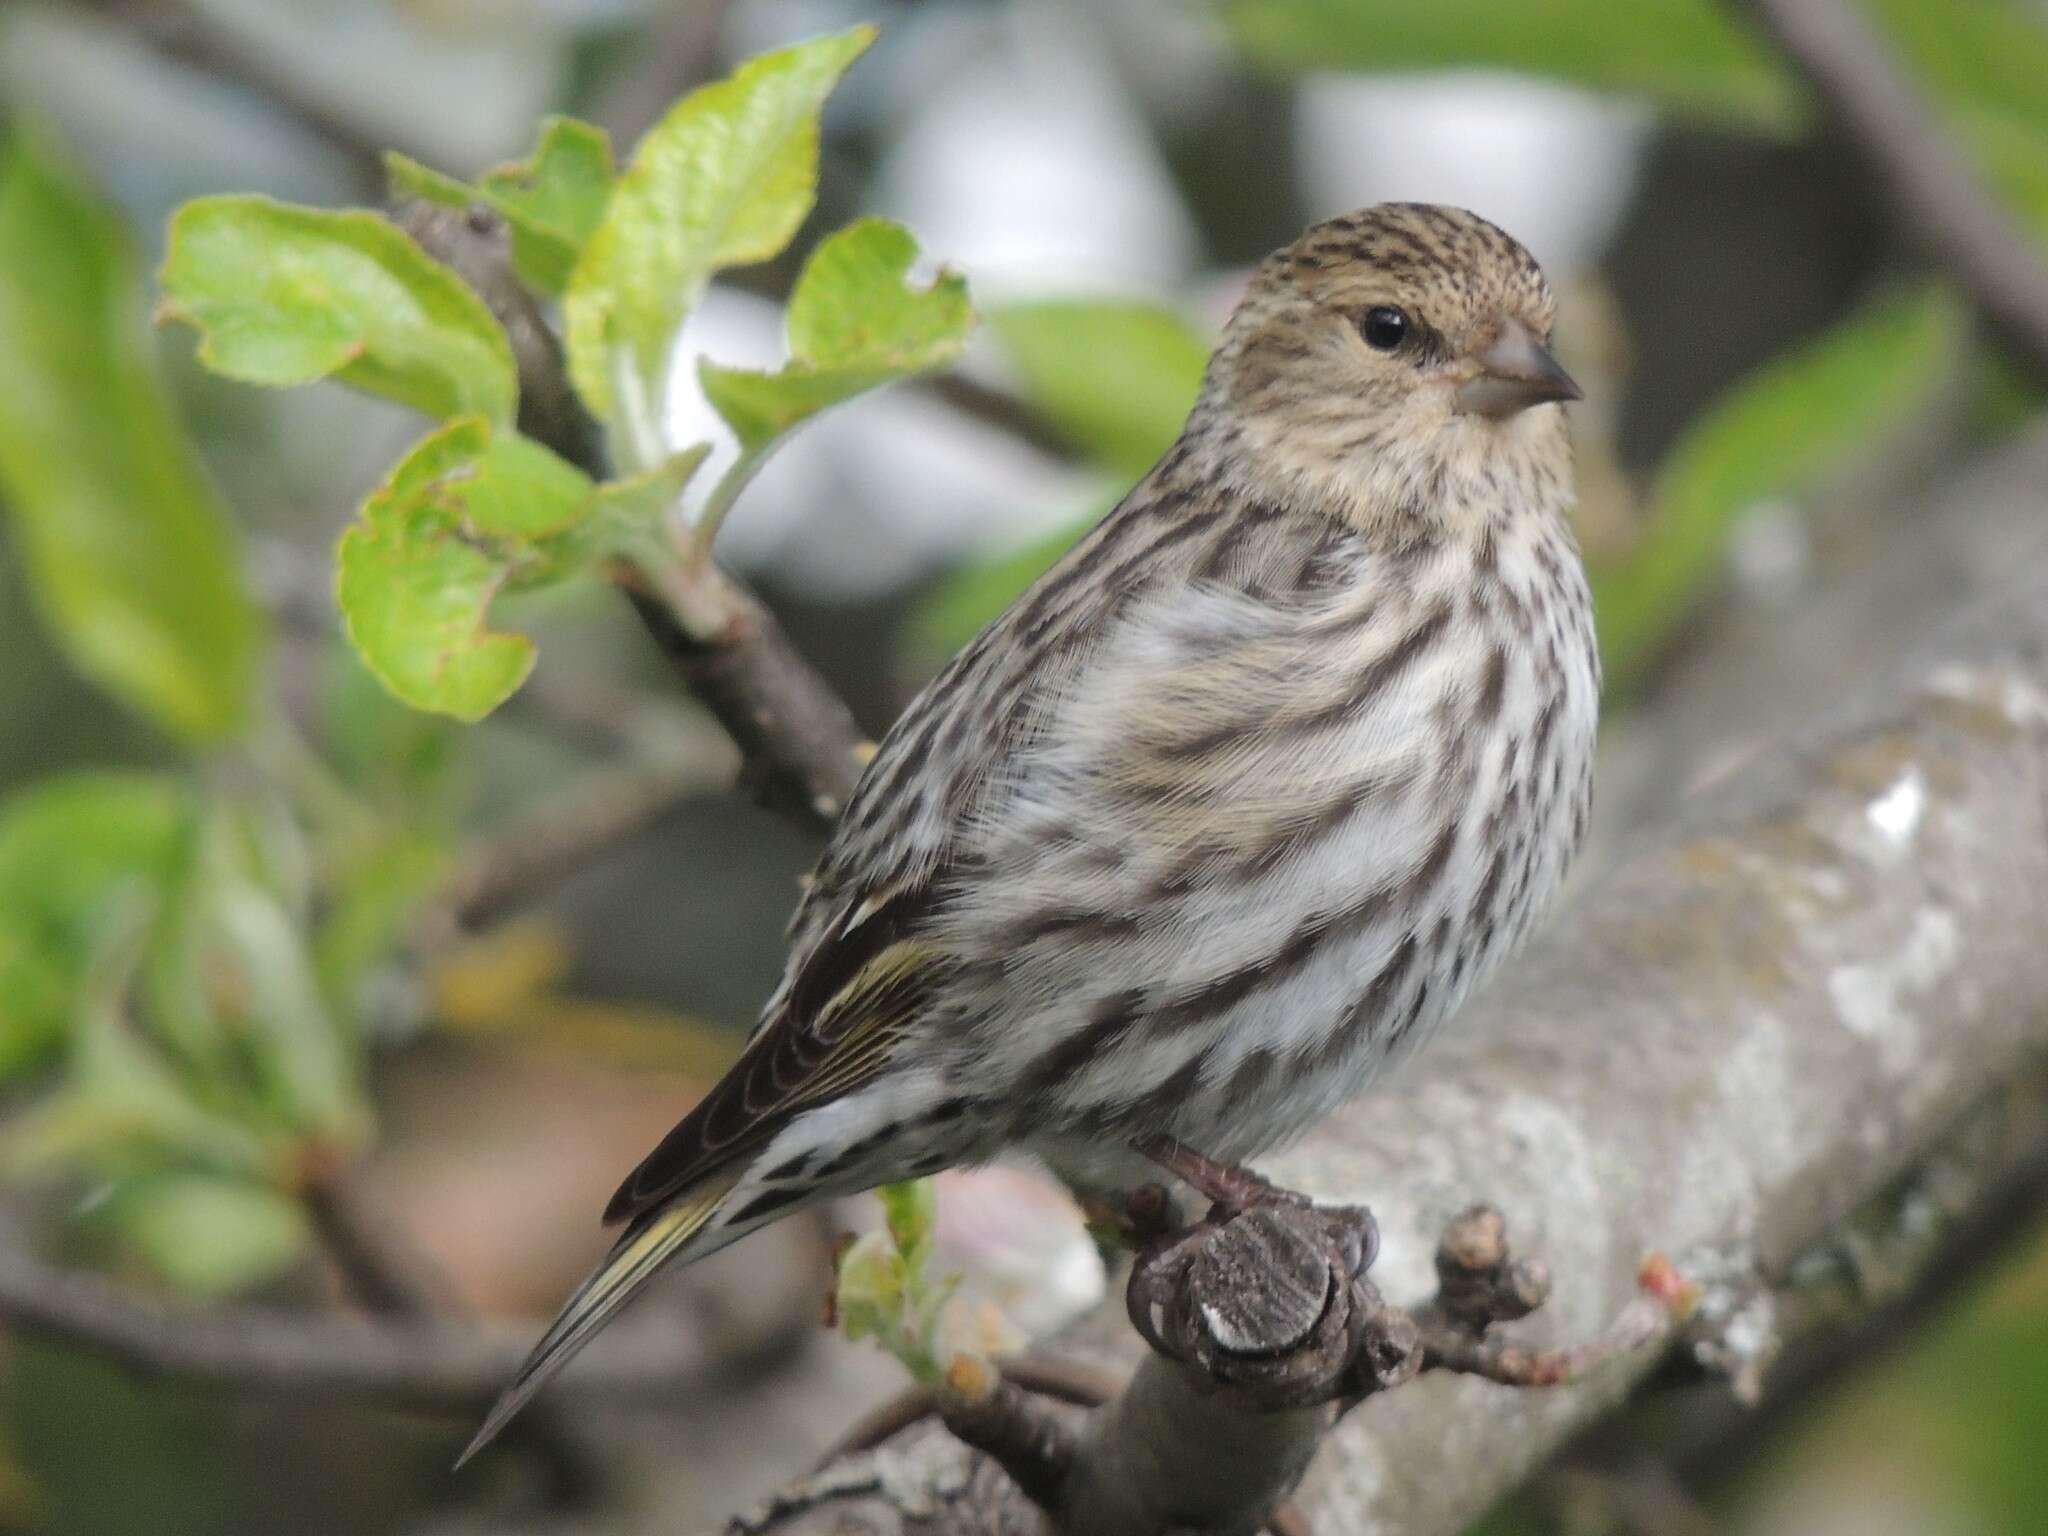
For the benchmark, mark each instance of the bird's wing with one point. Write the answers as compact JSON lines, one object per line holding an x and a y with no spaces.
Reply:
{"x":862,"y":993}
{"x":861,"y":969}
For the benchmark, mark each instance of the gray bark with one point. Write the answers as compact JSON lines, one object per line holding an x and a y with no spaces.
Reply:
{"x":1822,"y":992}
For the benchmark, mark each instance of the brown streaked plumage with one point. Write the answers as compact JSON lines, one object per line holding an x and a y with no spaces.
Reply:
{"x":1227,"y":811}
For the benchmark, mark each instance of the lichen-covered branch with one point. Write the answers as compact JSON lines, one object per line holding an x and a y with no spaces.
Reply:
{"x":1742,"y":1042}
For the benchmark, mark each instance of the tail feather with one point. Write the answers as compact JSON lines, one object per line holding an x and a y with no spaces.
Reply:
{"x":640,"y":1251}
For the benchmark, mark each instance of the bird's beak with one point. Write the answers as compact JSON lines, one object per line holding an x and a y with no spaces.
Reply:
{"x":1516,"y":371}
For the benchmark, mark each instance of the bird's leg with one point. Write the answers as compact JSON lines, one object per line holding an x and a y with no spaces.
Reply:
{"x":1349,"y":1235}
{"x":1227,"y":1185}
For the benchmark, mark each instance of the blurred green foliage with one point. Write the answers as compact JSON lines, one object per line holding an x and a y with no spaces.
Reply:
{"x":129,"y":552}
{"x":67,"y":850}
{"x":1687,"y":56}
{"x":1984,"y":60}
{"x":188,"y":959}
{"x":1115,"y":379}
{"x":1795,"y":419}
{"x":884,"y":1288}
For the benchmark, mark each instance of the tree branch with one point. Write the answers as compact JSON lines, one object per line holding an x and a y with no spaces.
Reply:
{"x":185,"y":35}
{"x":377,"y":1257}
{"x":394,"y":1363}
{"x":1944,"y":203}
{"x":1750,"y":1040}
{"x":802,"y":747}
{"x":605,"y":808}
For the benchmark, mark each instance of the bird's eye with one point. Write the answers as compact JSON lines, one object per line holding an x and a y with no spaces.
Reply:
{"x":1384,"y":327}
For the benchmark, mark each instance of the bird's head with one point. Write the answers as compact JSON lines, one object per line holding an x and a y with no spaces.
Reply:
{"x":1400,"y":347}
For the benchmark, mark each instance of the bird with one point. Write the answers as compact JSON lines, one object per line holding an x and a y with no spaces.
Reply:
{"x":1225,"y":814}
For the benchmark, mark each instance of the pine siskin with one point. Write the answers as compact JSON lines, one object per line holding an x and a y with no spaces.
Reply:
{"x":1226,"y":813}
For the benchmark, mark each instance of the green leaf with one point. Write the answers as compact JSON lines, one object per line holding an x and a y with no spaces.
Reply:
{"x":1690,"y":56}
{"x":123,"y":1108}
{"x":630,"y":516}
{"x":69,"y":848}
{"x":868,"y":1292}
{"x":1116,"y":378}
{"x":283,"y":295}
{"x":205,"y":1236}
{"x":231,"y":993}
{"x":911,"y":1209}
{"x":724,"y":179}
{"x":553,"y":200}
{"x":464,"y":516}
{"x":306,"y":1071}
{"x":406,"y":178}
{"x":1983,"y":59}
{"x":131,"y":558}
{"x":1775,"y":435}
{"x":854,"y":322}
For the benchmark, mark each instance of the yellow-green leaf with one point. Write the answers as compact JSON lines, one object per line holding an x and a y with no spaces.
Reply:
{"x":407,"y":178}
{"x":855,"y":321}
{"x":629,"y":516}
{"x":130,"y":555}
{"x":283,"y":295}
{"x":466,"y":515}
{"x":553,"y":200}
{"x":724,"y":179}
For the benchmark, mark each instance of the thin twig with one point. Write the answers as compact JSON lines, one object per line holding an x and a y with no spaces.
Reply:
{"x":1064,"y":1381}
{"x":185,"y":35}
{"x":393,"y":1277}
{"x":1028,"y":1438}
{"x":605,"y":809}
{"x":1642,"y":1323}
{"x":386,"y":1270}
{"x":1939,"y":195}
{"x":1000,"y":409}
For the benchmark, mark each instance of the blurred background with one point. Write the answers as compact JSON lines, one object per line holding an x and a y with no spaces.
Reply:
{"x":513,"y":953}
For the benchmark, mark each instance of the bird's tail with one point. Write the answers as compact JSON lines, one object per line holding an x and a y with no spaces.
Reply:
{"x":642,"y":1249}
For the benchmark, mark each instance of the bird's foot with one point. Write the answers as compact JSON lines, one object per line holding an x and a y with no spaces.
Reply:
{"x":1272,"y":1298}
